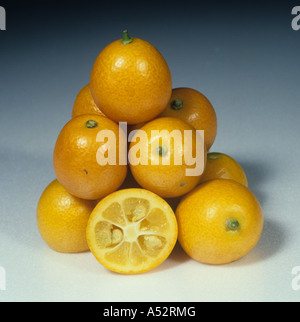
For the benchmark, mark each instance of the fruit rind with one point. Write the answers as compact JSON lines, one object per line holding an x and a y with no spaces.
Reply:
{"x":145,"y":249}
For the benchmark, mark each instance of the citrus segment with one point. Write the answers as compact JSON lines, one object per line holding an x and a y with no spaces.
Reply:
{"x":156,"y":222}
{"x":114,"y":214}
{"x":132,"y":231}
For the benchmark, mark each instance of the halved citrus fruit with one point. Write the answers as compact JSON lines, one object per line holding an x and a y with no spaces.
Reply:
{"x":132,"y":231}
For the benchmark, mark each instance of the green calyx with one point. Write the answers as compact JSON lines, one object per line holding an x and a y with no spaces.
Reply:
{"x":232,"y":224}
{"x":161,"y":150}
{"x":90,"y":124}
{"x":177,"y":104}
{"x":126,"y":38}
{"x":214,"y":155}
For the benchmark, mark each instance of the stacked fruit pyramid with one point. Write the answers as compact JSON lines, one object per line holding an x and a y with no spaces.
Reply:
{"x":129,"y":204}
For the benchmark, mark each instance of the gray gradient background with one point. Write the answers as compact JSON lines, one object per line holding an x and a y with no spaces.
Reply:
{"x":243,"y":55}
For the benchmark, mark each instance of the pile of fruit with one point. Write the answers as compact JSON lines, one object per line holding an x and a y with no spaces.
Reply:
{"x":130,"y":203}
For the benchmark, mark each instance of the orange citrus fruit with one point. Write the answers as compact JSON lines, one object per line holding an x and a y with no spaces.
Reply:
{"x":132,"y":231}
{"x":219,"y":222}
{"x":85,"y":163}
{"x":84,"y":103}
{"x":131,"y":80}
{"x":194,"y":108}
{"x":223,"y":166}
{"x":62,"y":219}
{"x":158,"y":157}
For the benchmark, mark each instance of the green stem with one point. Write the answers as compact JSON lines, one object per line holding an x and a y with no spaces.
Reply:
{"x":91,"y":124}
{"x":177,"y":104}
{"x":232,"y":224}
{"x":126,"y":38}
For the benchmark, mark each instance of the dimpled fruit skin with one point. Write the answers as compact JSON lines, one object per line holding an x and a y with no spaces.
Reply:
{"x":202,"y":216}
{"x":75,"y":158}
{"x":197,"y":111}
{"x":62,"y":219}
{"x":84,"y":103}
{"x":167,"y":180}
{"x":132,"y":83}
{"x":223,"y":166}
